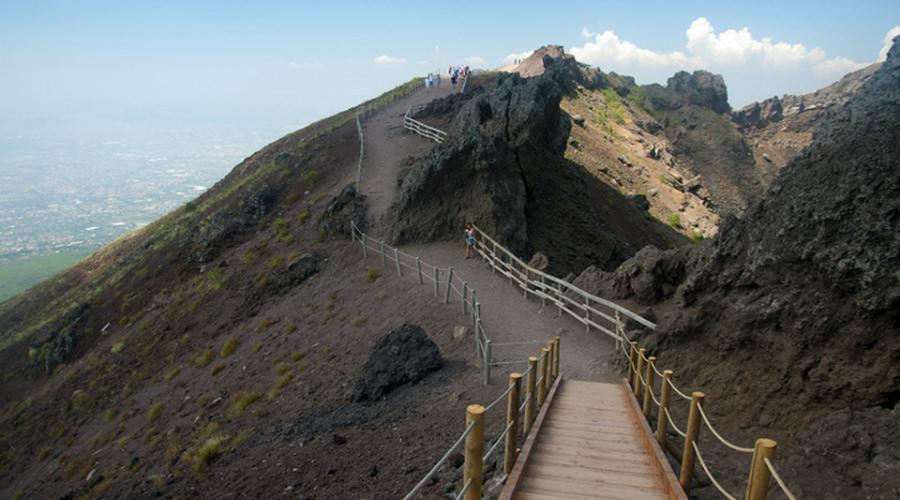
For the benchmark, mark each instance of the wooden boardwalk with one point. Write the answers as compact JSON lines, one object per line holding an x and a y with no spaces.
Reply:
{"x":591,"y":441}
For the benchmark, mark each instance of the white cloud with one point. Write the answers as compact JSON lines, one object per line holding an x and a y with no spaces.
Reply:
{"x":706,"y":48}
{"x":888,"y":41}
{"x":511,"y":58}
{"x":474,"y":60}
{"x":607,"y":48}
{"x":587,"y":34}
{"x":838,"y":66}
{"x":386,"y":59}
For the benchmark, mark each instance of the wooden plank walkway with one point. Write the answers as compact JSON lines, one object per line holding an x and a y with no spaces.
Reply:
{"x":591,"y":441}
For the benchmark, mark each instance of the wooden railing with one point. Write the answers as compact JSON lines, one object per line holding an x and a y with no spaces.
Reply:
{"x":427,"y":131}
{"x":522,"y":408}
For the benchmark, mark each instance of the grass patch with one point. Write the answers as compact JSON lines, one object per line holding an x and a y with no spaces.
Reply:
{"x":207,"y":453}
{"x":675,"y":220}
{"x":372,"y":275}
{"x":291,"y":328}
{"x":258,"y":347}
{"x":280,"y":383}
{"x":261,"y":281}
{"x":155,"y":411}
{"x":172,"y":373}
{"x":696,"y":235}
{"x":241,"y":438}
{"x":119,"y":345}
{"x":276,"y":261}
{"x":303,"y":216}
{"x":248,"y":257}
{"x":229,"y":346}
{"x":203,"y":359}
{"x":217,"y":369}
{"x":297,"y":355}
{"x":312,"y":176}
{"x":282,"y":368}
{"x":264,"y":325}
{"x":358,"y":321}
{"x":244,"y":399}
{"x":80,"y":399}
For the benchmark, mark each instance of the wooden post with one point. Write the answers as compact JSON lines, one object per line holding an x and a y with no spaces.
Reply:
{"x":758,"y":483}
{"x":465,"y":298}
{"x":449,"y":285}
{"x":551,"y":357}
{"x":542,"y":387}
{"x":556,"y":359}
{"x":648,"y":387}
{"x":662,"y":420}
{"x":419,"y":271}
{"x":474,"y":457}
{"x":512,"y":420}
{"x":693,"y":431}
{"x":530,"y":396}
{"x":637,"y":373}
{"x":487,"y":361}
{"x":397,"y":260}
{"x":631,"y":363}
{"x":382,"y":253}
{"x":436,"y":278}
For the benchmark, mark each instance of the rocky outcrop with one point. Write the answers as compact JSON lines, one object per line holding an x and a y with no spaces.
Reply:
{"x":403,"y":356}
{"x":802,"y":292}
{"x":700,"y":88}
{"x":759,"y":114}
{"x":341,"y":210}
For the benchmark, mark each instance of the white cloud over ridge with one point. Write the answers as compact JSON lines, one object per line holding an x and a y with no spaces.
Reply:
{"x":386,"y":59}
{"x":706,"y":48}
{"x":511,"y":58}
{"x":888,"y":41}
{"x":474,"y":60}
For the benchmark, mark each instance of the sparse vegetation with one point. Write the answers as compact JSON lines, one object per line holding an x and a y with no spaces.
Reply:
{"x":303,"y":216}
{"x":276,"y":261}
{"x":207,"y":453}
{"x":312,"y":176}
{"x":372,"y":275}
{"x":281,"y":368}
{"x":241,"y":438}
{"x":696,"y":235}
{"x":80,"y":399}
{"x":675,"y":220}
{"x":358,"y":321}
{"x":203,"y":359}
{"x":244,"y":399}
{"x":218,"y":369}
{"x":155,"y":411}
{"x":297,"y":355}
{"x":291,"y":328}
{"x":258,"y":347}
{"x":248,"y":257}
{"x":283,"y":380}
{"x":261,"y":281}
{"x":119,"y":345}
{"x":229,"y":346}
{"x":264,"y":325}
{"x":172,"y":373}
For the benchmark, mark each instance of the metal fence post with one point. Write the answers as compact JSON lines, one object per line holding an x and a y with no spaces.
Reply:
{"x":543,"y":293}
{"x":419,"y":271}
{"x":662,"y":420}
{"x":449,"y":285}
{"x":487,"y":360}
{"x":382,"y":253}
{"x":512,"y":421}
{"x":525,"y":284}
{"x":758,"y":483}
{"x":530,"y":387}
{"x":474,"y":457}
{"x":477,"y":340}
{"x":465,"y":298}
{"x":397,"y":261}
{"x":693,"y":430}
{"x":494,"y":259}
{"x":648,"y":386}
{"x":436,"y":278}
{"x":587,"y":315}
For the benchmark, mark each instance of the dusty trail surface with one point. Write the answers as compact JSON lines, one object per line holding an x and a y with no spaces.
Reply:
{"x":516,"y":327}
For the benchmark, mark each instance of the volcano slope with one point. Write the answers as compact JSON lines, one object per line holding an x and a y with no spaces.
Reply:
{"x":213,"y":353}
{"x":790,"y":319}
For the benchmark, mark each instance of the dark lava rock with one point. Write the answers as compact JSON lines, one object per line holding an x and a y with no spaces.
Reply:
{"x":296,"y":272}
{"x":338,"y":439}
{"x":759,"y":114}
{"x":640,"y":201}
{"x":456,"y":460}
{"x":216,"y":230}
{"x":373,"y":471}
{"x":403,"y":356}
{"x":539,"y":261}
{"x":701,"y":88}
{"x":343,"y":208}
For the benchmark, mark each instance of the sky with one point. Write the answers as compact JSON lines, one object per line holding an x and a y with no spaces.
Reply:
{"x":96,"y":67}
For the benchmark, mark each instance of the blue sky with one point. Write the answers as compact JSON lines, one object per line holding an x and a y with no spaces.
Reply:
{"x":279,"y":65}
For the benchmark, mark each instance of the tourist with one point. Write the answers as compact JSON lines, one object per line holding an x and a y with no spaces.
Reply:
{"x":470,"y":240}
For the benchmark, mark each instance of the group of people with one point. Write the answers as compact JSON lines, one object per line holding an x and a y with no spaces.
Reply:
{"x":456,"y":73}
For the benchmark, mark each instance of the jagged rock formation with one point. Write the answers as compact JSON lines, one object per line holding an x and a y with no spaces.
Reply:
{"x":348,"y":206}
{"x":801,"y":298}
{"x":503,"y":169}
{"x":403,"y":356}
{"x":700,"y":88}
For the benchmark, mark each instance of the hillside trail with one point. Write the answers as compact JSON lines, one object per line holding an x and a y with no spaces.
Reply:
{"x":517,"y":327}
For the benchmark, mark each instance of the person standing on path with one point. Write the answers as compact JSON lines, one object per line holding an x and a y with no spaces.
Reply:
{"x":470,"y":240}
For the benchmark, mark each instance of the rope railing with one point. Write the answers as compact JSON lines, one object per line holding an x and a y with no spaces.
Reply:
{"x":535,"y":396}
{"x":712,"y":479}
{"x":778,"y":480}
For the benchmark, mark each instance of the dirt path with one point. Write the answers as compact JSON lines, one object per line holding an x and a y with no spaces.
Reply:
{"x":516,"y":327}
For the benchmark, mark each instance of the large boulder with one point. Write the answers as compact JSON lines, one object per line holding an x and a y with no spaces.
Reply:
{"x":403,"y":356}
{"x":347,"y":206}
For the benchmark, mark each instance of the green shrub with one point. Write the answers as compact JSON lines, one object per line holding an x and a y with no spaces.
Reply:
{"x":303,"y":216}
{"x":280,"y":225}
{"x":241,"y":438}
{"x":261,"y":281}
{"x":297,"y":355}
{"x":696,"y":235}
{"x":674,"y":220}
{"x":218,"y":369}
{"x":372,"y":275}
{"x":311,"y":176}
{"x":155,"y":411}
{"x":248,"y":257}
{"x":119,"y":345}
{"x":203,"y":359}
{"x":244,"y":399}
{"x":264,"y":325}
{"x":358,"y":321}
{"x":207,"y":453}
{"x":172,"y":373}
{"x":277,"y":261}
{"x":229,"y":346}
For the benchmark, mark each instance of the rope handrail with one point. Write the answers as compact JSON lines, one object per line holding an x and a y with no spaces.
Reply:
{"x":499,"y":398}
{"x":525,"y":401}
{"x":465,"y":489}
{"x":498,"y":441}
{"x":712,"y":478}
{"x":672,"y":424}
{"x":778,"y":480}
{"x":440,"y":462}
{"x":672,"y":385}
{"x":724,"y":441}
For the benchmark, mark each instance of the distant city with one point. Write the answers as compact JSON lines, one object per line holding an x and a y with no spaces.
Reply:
{"x":66,"y":197}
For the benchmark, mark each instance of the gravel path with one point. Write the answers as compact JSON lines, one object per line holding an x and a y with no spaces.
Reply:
{"x":507,"y":316}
